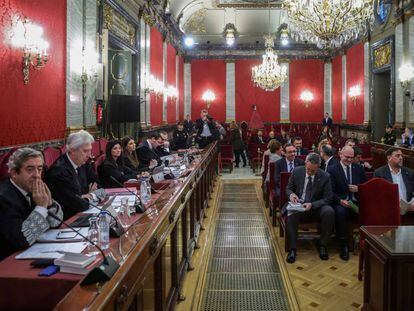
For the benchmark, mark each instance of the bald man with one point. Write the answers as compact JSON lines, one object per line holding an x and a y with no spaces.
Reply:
{"x":345,"y":178}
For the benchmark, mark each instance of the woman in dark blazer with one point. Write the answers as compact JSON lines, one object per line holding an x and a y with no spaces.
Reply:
{"x":113,"y":166}
{"x":237,"y":143}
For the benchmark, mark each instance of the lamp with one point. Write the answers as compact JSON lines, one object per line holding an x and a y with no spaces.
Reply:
{"x":29,"y":38}
{"x":306,"y":97}
{"x":354,"y":93}
{"x":171,"y":92}
{"x":208,"y":97}
{"x":406,"y":73}
{"x":284,"y":36}
{"x":230,"y":34}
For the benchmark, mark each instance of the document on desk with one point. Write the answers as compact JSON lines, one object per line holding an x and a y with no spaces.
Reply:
{"x":51,"y":250}
{"x":62,"y":235}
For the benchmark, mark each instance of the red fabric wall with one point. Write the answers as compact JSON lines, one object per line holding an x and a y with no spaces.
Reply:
{"x":337,"y":89}
{"x":355,"y":76}
{"x":171,"y":71}
{"x":181,"y":89}
{"x":156,"y":70}
{"x":208,"y":74}
{"x":33,"y":112}
{"x":306,"y":75}
{"x":267,"y":103}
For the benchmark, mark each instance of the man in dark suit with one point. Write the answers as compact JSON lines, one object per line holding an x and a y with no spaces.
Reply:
{"x":146,"y":151}
{"x":297,"y":142}
{"x":259,"y":139}
{"x":396,"y":173}
{"x":310,"y":186}
{"x":163,"y":149}
{"x":206,"y":130}
{"x":286,"y":164}
{"x":71,"y":178}
{"x":188,"y":124}
{"x":327,"y":153}
{"x":25,"y":203}
{"x":327,"y":121}
{"x":407,"y":138}
{"x":345,"y":178}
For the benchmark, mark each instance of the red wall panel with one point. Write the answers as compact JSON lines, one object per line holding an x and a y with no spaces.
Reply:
{"x":306,"y":75}
{"x":156,"y":70}
{"x":267,"y":103}
{"x":337,"y":89}
{"x":181,"y":89}
{"x":33,"y":112}
{"x":171,"y":76}
{"x":355,"y":76}
{"x":208,"y":74}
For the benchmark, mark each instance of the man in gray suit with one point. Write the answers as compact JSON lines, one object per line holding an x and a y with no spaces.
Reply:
{"x":312,"y":187}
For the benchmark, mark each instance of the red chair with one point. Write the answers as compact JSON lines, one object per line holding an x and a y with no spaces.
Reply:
{"x":255,"y":157}
{"x":98,"y":162}
{"x":264,"y":174}
{"x":379,"y":205}
{"x":95,"y":149}
{"x":227,"y":156}
{"x":102,"y":145}
{"x":272,"y":195}
{"x":4,"y":169}
{"x":63,"y":149}
{"x":50,"y":154}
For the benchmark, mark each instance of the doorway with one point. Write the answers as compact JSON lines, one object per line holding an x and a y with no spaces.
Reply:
{"x":383,"y":110}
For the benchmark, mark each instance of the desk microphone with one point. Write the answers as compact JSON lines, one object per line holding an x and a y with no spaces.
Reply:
{"x":116,"y":230}
{"x":139,"y":207}
{"x":101,"y":273}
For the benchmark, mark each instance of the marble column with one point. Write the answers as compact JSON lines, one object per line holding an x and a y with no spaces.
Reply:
{"x":399,"y":92}
{"x":328,"y":87}
{"x":410,"y":59}
{"x":187,"y":89}
{"x":177,"y":85}
{"x":230,"y":91}
{"x":344,"y":90}
{"x":164,"y":80}
{"x":143,"y":73}
{"x":367,"y":86}
{"x":284,"y":97}
{"x":148,"y":72}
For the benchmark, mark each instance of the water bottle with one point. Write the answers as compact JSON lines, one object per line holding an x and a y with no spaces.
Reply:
{"x":93,"y":235}
{"x":104,"y":220}
{"x":145,"y":194}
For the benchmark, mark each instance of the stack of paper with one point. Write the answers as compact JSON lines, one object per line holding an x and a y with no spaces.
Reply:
{"x":74,"y":263}
{"x":51,"y":250}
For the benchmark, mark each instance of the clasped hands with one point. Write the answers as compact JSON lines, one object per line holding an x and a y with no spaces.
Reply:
{"x":92,"y":187}
{"x":295,"y":199}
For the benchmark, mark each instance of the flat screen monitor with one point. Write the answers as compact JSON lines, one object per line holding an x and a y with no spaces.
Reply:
{"x":124,"y":108}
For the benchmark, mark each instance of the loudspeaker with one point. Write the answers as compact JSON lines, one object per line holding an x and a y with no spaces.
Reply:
{"x":124,"y":108}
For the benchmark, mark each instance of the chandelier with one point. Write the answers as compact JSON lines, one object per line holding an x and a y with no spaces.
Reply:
{"x":329,"y":23}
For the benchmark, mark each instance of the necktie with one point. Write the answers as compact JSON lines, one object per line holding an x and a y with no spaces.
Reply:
{"x":308,"y":190}
{"x":348,"y":175}
{"x":298,"y":151}
{"x":30,"y":199}
{"x":290,"y":166}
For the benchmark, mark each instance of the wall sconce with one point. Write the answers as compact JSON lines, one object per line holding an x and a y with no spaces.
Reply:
{"x":29,"y":38}
{"x":284,"y":36}
{"x":406,"y":73}
{"x":354,"y":93}
{"x":230,"y":34}
{"x":208,"y":97}
{"x":171,"y":92}
{"x":306,"y":97}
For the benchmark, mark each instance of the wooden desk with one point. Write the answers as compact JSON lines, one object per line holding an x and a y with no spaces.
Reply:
{"x":379,"y":159}
{"x":389,"y":268}
{"x":157,"y":253}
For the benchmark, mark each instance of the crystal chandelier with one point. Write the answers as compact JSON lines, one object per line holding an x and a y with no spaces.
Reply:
{"x":329,"y":23}
{"x":269,"y":75}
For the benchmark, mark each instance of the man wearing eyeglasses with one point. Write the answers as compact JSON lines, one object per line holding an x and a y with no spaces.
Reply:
{"x":345,"y":178}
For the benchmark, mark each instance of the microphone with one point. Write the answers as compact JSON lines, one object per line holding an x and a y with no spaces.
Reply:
{"x":101,"y":273}
{"x":139,"y":207}
{"x":114,"y":231}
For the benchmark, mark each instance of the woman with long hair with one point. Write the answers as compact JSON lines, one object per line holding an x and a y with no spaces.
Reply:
{"x":326,"y":134}
{"x":237,"y":143}
{"x":129,"y":153}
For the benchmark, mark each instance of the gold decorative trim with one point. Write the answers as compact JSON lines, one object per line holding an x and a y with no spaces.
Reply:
{"x":118,"y":25}
{"x":284,"y":121}
{"x":196,"y":23}
{"x":382,"y":55}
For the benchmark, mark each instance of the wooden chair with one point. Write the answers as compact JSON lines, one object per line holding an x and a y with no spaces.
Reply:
{"x":227,"y":156}
{"x":272,"y":197}
{"x":96,"y":152}
{"x":50,"y":155}
{"x":254,"y":156}
{"x":102,"y":145}
{"x":379,"y":205}
{"x":264,"y":174}
{"x":98,"y":162}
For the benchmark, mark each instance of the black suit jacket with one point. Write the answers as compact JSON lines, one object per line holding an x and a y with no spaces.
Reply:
{"x":407,"y":142}
{"x":321,"y":190}
{"x":257,"y":140}
{"x":162,"y":152}
{"x":188,"y":126}
{"x":146,"y":154}
{"x":339,"y":182}
{"x":281,"y":166}
{"x":180,"y":140}
{"x":67,"y":185}
{"x":407,"y":175}
{"x":332,"y":162}
{"x":14,"y":209}
{"x":303,"y":151}
{"x":120,"y":173}
{"x":328,"y":123}
{"x":200,"y":125}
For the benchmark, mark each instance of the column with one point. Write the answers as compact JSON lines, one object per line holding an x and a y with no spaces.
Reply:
{"x":367,"y":85}
{"x":399,"y":92}
{"x":344,"y":89}
{"x":164,"y":80}
{"x":328,"y":87}
{"x":284,"y":97}
{"x":187,"y":88}
{"x":230,"y":91}
{"x":148,"y":72}
{"x":177,"y":85}
{"x":410,"y":59}
{"x":143,"y":73}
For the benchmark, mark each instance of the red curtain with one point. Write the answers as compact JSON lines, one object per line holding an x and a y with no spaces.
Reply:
{"x":306,"y":75}
{"x":247,"y":95}
{"x":208,"y":75}
{"x":337,"y":89}
{"x":355,"y":76}
{"x":156,"y":70}
{"x":171,"y":76}
{"x":33,"y":112}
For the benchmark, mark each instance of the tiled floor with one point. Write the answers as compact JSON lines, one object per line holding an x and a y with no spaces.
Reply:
{"x":239,"y":173}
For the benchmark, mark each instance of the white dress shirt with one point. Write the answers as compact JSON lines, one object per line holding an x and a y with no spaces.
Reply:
{"x":398,"y":179}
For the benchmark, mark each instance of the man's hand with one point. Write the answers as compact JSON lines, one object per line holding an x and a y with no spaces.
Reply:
{"x":294,"y":198}
{"x":153,"y":163}
{"x":93,"y":187}
{"x":344,"y":203}
{"x":87,"y":196}
{"x":307,"y":206}
{"x":39,"y":194}
{"x":353,"y":188}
